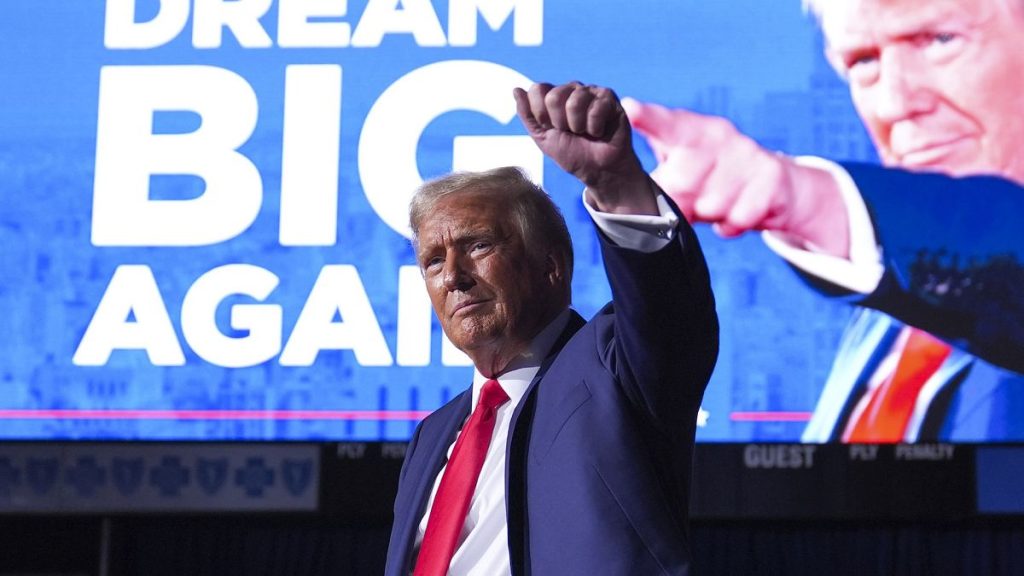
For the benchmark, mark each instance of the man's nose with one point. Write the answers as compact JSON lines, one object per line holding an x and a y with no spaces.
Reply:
{"x":456,"y":275}
{"x":903,"y":87}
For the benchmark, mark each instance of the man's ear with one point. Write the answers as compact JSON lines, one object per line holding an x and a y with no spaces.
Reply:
{"x":554,"y":270}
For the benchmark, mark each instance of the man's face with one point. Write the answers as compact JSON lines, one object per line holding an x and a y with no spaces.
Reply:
{"x":488,"y":293}
{"x":938,"y":83}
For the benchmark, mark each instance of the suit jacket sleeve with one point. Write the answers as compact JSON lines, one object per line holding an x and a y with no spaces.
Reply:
{"x":952,"y":251}
{"x":666,"y":327}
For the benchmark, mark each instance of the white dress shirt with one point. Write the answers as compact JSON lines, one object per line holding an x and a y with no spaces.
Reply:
{"x":482,"y":549}
{"x":862,"y":271}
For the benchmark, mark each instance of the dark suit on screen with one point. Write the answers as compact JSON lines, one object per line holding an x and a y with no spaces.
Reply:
{"x":600,"y":447}
{"x":953,"y":254}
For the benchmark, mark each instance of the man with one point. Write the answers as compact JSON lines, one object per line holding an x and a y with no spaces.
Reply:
{"x":935,"y":262}
{"x":576,"y":459}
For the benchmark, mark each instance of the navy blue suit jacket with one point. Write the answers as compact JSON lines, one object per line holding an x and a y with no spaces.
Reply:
{"x":953,"y":252}
{"x":601,"y":445}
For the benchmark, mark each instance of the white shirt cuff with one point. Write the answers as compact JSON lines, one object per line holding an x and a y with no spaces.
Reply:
{"x":862,"y":272}
{"x":640,"y":232}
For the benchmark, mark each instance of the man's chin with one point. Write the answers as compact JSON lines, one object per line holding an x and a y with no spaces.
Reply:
{"x":469,"y":340}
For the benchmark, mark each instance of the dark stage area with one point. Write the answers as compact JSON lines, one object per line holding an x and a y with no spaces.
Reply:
{"x":758,"y":509}
{"x":315,"y":545}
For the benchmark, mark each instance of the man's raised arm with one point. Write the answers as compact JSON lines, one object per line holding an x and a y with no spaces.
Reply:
{"x":585,"y":131}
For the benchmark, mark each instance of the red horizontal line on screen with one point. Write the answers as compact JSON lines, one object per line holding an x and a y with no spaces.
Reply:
{"x":770,"y":416}
{"x":213,"y":414}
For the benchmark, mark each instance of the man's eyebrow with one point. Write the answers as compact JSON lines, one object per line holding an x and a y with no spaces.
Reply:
{"x":425,"y":247}
{"x":854,"y":47}
{"x":459,"y":237}
{"x":939,"y":18}
{"x":868,"y":38}
{"x":474,"y":234}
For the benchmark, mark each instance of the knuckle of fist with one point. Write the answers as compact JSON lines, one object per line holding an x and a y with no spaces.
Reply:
{"x":721,"y":128}
{"x":576,"y":104}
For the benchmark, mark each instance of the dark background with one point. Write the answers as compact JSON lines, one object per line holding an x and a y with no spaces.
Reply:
{"x":757,"y":509}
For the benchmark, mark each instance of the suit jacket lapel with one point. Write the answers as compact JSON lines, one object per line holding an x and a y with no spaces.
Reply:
{"x":866,"y":341}
{"x":575,"y":323}
{"x":515,"y":456}
{"x":435,"y":438}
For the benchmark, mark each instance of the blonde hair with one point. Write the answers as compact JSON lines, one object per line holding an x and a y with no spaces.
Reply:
{"x":817,"y":7}
{"x":537,"y":219}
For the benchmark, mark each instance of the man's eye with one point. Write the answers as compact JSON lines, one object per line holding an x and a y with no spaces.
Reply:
{"x":478,"y":246}
{"x":860,"y":66}
{"x":941,"y":46}
{"x":860,"y":59}
{"x":932,"y":38}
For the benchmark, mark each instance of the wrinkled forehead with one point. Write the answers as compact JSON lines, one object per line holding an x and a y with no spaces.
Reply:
{"x":463,"y":214}
{"x":857,"y":22}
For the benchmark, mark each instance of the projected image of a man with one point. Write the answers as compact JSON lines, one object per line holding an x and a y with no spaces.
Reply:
{"x":928,"y":247}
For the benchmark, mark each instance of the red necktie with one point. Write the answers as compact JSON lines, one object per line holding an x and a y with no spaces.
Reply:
{"x":884,"y":413}
{"x":451,"y":503}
